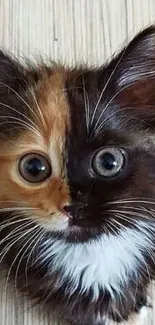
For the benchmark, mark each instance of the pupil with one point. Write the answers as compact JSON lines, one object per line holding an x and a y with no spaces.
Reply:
{"x":108,"y":161}
{"x":34,"y":167}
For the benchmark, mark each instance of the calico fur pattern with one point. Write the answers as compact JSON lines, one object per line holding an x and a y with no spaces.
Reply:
{"x":79,"y":242}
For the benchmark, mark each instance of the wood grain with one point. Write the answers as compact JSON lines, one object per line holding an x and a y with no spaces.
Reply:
{"x":71,"y":31}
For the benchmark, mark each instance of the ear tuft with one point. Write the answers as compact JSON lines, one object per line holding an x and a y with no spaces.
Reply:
{"x":137,"y":60}
{"x":11,"y":73}
{"x":135,"y":71}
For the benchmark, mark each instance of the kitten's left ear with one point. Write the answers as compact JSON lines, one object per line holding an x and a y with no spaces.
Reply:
{"x":135,"y":68}
{"x":137,"y":60}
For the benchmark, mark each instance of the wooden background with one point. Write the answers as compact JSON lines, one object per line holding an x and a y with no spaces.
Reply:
{"x":70,"y":31}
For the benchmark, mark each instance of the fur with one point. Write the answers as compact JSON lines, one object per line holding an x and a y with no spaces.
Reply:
{"x":78,"y":240}
{"x":102,"y":264}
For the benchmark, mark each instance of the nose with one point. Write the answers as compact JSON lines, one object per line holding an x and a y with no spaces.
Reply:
{"x":75,"y":208}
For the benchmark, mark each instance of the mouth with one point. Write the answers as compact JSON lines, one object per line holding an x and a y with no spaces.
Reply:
{"x":80,"y":227}
{"x":81,"y":223}
{"x":80,"y":230}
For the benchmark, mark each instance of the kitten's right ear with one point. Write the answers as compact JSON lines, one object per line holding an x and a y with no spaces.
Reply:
{"x":11,"y":74}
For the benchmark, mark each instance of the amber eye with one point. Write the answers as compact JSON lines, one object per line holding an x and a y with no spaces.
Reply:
{"x":108,"y":161}
{"x":34,"y":168}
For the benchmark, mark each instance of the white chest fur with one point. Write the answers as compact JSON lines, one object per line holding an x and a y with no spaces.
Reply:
{"x":103,"y":263}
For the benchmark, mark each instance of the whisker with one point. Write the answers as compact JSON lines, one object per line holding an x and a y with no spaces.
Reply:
{"x":86,"y":105}
{"x":22,"y":126}
{"x":42,"y":119}
{"x":105,"y":228}
{"x":125,"y":218}
{"x":132,"y":200}
{"x":121,"y":216}
{"x":9,"y":272}
{"x":37,"y":239}
{"x":14,"y":201}
{"x":142,"y":74}
{"x":10,"y":223}
{"x":105,"y":86}
{"x":135,"y":222}
{"x":132,"y":213}
{"x":34,"y":237}
{"x":10,"y":244}
{"x":21,"y":98}
{"x":14,"y":126}
{"x":15,"y":231}
{"x":120,"y":225}
{"x":20,"y":122}
{"x":99,"y":128}
{"x":112,"y":227}
{"x":107,"y":105}
{"x":141,"y":209}
{"x":18,"y":112}
{"x":17,"y":209}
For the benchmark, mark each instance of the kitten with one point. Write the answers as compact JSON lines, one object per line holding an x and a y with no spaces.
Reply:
{"x":77,"y":182}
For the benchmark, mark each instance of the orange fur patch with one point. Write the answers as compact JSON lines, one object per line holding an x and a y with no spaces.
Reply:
{"x":51,"y":118}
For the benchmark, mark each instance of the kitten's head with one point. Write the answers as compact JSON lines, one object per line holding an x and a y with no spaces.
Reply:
{"x":77,"y":173}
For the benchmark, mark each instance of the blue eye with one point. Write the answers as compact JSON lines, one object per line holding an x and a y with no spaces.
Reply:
{"x":108,"y":161}
{"x":34,"y":168}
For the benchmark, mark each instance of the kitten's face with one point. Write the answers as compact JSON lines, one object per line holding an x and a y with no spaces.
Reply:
{"x":77,"y":183}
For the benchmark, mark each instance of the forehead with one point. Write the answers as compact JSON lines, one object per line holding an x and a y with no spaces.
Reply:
{"x":100,"y":105}
{"x":92,"y":107}
{"x":81,"y":106}
{"x":51,"y":106}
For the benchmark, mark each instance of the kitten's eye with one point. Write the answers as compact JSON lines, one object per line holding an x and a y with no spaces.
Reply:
{"x":34,"y":168}
{"x":108,"y":162}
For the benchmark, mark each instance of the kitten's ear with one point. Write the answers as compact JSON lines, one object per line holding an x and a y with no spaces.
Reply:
{"x":11,"y":73}
{"x":135,"y":69}
{"x":137,"y":60}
